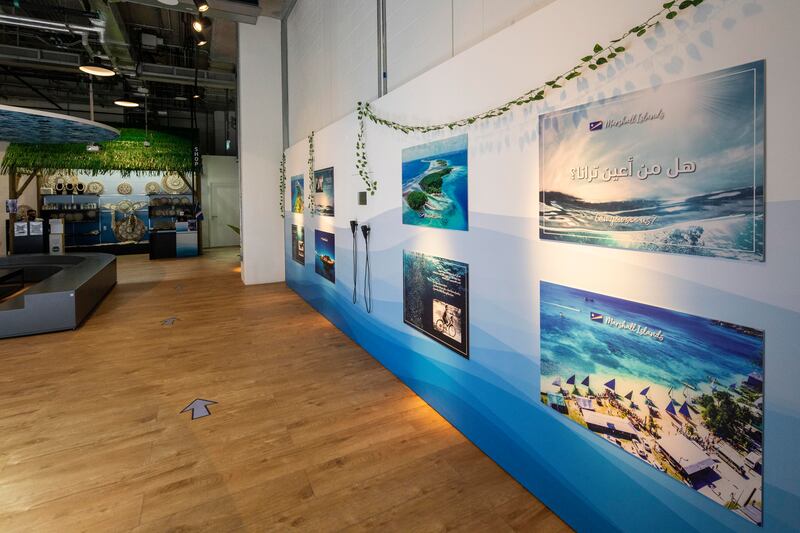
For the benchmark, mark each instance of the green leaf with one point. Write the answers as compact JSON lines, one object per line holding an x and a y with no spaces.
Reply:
{"x":601,"y":61}
{"x":685,"y":4}
{"x":641,"y":32}
{"x":556,"y":86}
{"x":668,"y":5}
{"x":593,"y":66}
{"x":587,"y":58}
{"x":598,"y":48}
{"x":612,"y":55}
{"x":619,"y":49}
{"x":672,"y":14}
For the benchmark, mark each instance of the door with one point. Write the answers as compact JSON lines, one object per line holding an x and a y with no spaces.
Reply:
{"x":224,"y":212}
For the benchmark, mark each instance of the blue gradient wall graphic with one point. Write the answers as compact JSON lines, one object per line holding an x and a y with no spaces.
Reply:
{"x":493,"y":398}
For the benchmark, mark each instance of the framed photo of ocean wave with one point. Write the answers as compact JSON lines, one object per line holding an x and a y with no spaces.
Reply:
{"x":677,"y":168}
{"x":435,"y":188}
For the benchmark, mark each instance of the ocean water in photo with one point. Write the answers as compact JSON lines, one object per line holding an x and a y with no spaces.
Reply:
{"x":450,"y":210}
{"x":694,"y":350}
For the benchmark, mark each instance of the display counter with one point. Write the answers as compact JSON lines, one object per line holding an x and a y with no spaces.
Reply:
{"x":65,"y":290}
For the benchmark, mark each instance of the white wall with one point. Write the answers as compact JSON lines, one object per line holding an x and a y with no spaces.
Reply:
{"x":332,"y":53}
{"x":333,"y":48}
{"x":504,"y":186}
{"x":260,"y":148}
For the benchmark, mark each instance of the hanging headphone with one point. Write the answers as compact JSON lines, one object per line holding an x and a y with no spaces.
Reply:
{"x":367,"y":271}
{"x":354,"y":229}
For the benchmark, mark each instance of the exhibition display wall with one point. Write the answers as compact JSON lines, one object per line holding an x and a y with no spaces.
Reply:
{"x":623,"y":252}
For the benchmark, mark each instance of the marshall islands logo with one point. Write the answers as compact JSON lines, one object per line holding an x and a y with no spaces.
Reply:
{"x":596,"y":125}
{"x":632,"y":327}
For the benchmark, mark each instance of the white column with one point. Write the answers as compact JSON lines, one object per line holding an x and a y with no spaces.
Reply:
{"x":260,"y":149}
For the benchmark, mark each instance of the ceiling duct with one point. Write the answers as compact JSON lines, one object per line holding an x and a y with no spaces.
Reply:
{"x":185,"y":76}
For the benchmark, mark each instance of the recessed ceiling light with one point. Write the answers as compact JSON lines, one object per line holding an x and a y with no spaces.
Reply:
{"x":126,"y":103}
{"x":180,"y":98}
{"x":170,"y":2}
{"x":202,"y":42}
{"x":97,"y":70}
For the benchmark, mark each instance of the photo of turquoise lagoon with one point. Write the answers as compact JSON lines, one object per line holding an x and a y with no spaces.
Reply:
{"x":435,"y":184}
{"x":297,"y":188}
{"x":680,"y":392}
{"x":677,"y":168}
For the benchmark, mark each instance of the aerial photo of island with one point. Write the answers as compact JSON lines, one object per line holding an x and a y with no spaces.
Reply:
{"x":435,"y":184}
{"x":680,"y":392}
{"x":297,"y":184}
{"x":325,"y":255}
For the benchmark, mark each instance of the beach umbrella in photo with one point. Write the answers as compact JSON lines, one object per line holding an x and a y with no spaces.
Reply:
{"x":585,"y":382}
{"x":557,"y":382}
{"x":611,"y":384}
{"x":571,"y":380}
{"x":645,"y":391}
{"x":629,"y":396}
{"x":671,"y":408}
{"x":684,"y":410}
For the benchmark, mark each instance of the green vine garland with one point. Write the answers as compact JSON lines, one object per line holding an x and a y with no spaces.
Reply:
{"x":283,"y":185}
{"x":312,"y":207}
{"x":600,"y":56}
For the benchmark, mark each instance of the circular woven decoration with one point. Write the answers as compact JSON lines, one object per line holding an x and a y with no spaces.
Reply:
{"x":95,"y":187}
{"x":49,"y":181}
{"x":130,"y":229}
{"x":125,"y":188}
{"x":152,"y":188}
{"x":173,"y":183}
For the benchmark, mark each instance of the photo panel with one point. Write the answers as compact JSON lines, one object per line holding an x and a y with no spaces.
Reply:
{"x":435,"y":299}
{"x":682,"y":393}
{"x":677,"y":168}
{"x":435,"y":186}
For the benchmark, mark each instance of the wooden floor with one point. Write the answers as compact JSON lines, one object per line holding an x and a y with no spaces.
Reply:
{"x":310,"y":433}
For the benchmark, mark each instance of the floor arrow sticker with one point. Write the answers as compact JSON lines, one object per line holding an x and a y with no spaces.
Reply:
{"x":199,"y":408}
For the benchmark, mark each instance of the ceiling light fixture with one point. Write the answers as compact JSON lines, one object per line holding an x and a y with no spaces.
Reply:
{"x":180,"y":98}
{"x":96,"y":69}
{"x":126,"y":103}
{"x":202,"y":5}
{"x":201,"y":24}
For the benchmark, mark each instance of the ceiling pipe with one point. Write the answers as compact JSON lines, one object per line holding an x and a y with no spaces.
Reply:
{"x":57,"y":27}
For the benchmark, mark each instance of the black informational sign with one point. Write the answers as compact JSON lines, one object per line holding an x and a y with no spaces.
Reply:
{"x":435,"y":299}
{"x":197,"y":159}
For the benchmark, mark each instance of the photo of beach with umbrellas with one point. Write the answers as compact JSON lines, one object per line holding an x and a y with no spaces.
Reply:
{"x":680,"y":392}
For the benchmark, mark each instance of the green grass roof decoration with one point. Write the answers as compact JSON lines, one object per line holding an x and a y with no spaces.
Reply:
{"x":127,"y":153}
